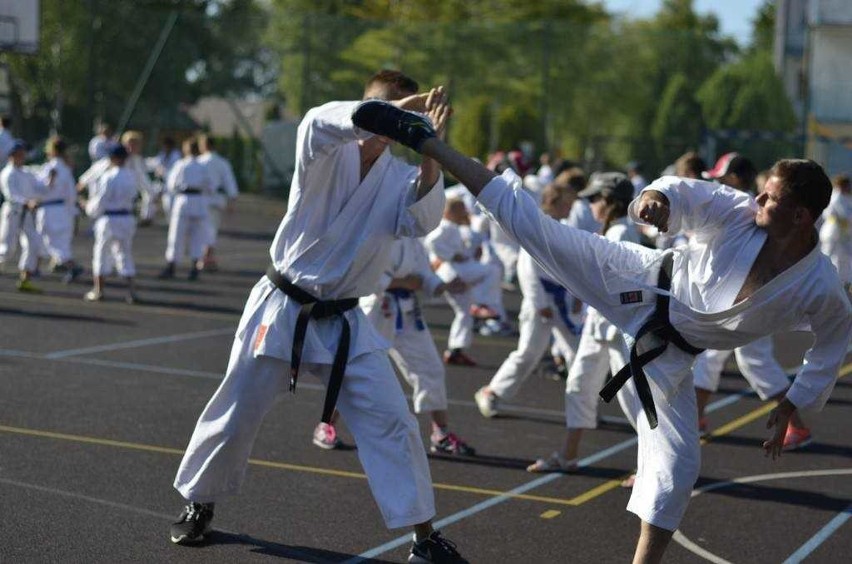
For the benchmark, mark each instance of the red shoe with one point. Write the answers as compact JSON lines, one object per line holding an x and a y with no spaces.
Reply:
{"x":703,"y":427}
{"x":458,"y":357}
{"x":796,"y":438}
{"x":483,"y":312}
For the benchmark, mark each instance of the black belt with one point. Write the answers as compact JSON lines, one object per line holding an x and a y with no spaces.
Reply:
{"x":660,"y":326}
{"x":191,"y":191}
{"x":112,"y":213}
{"x":312,"y":308}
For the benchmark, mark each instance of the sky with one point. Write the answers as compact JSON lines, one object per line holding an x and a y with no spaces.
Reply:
{"x":734,"y":15}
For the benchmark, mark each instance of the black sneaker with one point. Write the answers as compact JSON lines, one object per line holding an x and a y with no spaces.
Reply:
{"x":168,"y":272}
{"x":435,"y":549}
{"x":385,"y":119}
{"x":193,"y":274}
{"x":193,"y":523}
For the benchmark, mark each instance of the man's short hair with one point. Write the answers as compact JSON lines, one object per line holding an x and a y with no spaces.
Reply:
{"x":841,"y":181}
{"x":806,"y":181}
{"x":206,"y":141}
{"x":389,"y":84}
{"x":690,"y":165}
{"x":6,"y":121}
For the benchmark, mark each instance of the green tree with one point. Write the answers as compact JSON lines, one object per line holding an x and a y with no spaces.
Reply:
{"x":677,"y":126}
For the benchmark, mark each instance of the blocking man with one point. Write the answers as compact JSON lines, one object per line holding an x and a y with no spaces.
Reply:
{"x":350,"y":198}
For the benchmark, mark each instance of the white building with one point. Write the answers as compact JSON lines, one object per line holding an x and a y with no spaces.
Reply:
{"x":813,"y":55}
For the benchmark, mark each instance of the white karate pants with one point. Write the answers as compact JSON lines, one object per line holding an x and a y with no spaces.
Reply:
{"x":413,"y":353}
{"x":113,"y":248}
{"x":534,"y":340}
{"x":55,"y":224}
{"x":18,"y":227}
{"x":594,"y":359}
{"x":461,"y":329}
{"x":148,"y":202}
{"x":371,"y":402}
{"x":757,"y":364}
{"x":186,"y":231}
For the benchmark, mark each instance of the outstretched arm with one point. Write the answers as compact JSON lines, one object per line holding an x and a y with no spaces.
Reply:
{"x":472,"y":174}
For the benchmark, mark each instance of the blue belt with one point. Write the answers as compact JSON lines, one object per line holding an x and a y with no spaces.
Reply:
{"x":402,"y":294}
{"x":113,"y":213}
{"x":51,"y":203}
{"x":558,"y":292}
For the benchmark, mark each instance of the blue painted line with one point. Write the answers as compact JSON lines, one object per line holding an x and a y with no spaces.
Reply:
{"x":821,"y":536}
{"x":479,"y":507}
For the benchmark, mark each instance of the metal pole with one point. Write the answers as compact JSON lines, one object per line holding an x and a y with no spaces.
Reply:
{"x":146,"y":72}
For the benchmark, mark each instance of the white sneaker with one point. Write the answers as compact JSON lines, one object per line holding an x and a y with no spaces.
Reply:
{"x":487,"y":403}
{"x":325,"y":436}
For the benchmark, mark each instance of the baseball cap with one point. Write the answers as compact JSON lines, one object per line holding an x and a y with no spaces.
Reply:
{"x":19,"y":145}
{"x":731,"y":163}
{"x":612,"y":184}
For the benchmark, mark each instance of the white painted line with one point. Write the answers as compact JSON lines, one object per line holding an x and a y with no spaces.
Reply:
{"x":63,"y":493}
{"x":695,"y":549}
{"x":141,"y":343}
{"x":803,"y":551}
{"x":820,"y":537}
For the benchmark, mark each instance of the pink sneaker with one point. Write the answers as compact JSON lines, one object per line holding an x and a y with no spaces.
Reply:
{"x":796,"y":438}
{"x":325,"y":436}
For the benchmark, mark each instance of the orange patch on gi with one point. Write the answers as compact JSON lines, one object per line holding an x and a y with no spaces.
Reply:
{"x":261,"y":333}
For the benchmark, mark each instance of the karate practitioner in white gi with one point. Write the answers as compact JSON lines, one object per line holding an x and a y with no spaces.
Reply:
{"x":132,"y":141}
{"x":452,"y":258}
{"x":17,"y":217}
{"x":57,"y":199}
{"x":602,"y":348}
{"x":191,"y":187}
{"x":835,"y":234}
{"x":161,"y":165}
{"x":752,"y":267}
{"x":225,"y":193}
{"x":111,"y":207}
{"x":350,"y":198}
{"x":546,"y":308}
{"x":396,"y":314}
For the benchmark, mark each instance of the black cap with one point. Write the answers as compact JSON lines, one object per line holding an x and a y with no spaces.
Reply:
{"x":117,"y":151}
{"x":609,"y":184}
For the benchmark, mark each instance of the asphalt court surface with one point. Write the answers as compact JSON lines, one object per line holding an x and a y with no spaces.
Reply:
{"x":97,"y":402}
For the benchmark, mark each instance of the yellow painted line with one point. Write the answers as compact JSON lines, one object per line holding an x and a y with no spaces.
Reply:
{"x":599,"y":490}
{"x":740,"y":422}
{"x":266,"y":463}
{"x":550,"y":514}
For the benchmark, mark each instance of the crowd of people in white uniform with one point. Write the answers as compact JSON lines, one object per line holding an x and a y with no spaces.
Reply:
{"x":120,"y":191}
{"x":345,"y":297}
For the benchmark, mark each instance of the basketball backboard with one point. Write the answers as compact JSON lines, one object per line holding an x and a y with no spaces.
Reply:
{"x":20,"y":22}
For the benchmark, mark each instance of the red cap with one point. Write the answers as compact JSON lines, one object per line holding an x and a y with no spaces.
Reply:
{"x":722,"y":167}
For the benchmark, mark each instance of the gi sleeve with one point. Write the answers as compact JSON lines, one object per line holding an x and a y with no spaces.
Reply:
{"x":697,"y":205}
{"x":417,"y":218}
{"x":443,"y":243}
{"x":174,"y":177}
{"x":326,"y":127}
{"x":431,"y":281}
{"x":832,"y":328}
